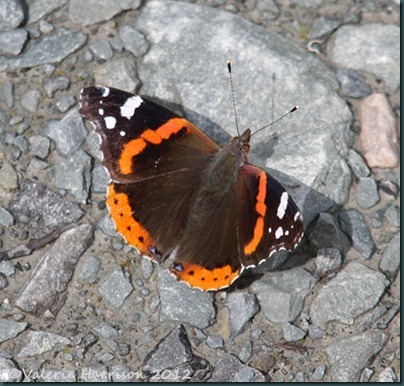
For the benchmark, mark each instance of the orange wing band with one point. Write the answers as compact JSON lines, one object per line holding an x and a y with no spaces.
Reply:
{"x":206,"y":279}
{"x":154,"y":137}
{"x":126,"y":225}
{"x":261,"y":209}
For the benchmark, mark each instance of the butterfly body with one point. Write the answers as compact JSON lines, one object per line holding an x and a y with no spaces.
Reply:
{"x":176,"y":191}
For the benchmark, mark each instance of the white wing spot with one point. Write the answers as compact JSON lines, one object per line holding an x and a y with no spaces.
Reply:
{"x":122,"y":133}
{"x":110,"y":122}
{"x":279,"y":233}
{"x":269,"y":230}
{"x":287,"y":233}
{"x":101,"y":111}
{"x":104,"y":90}
{"x":129,"y":107}
{"x":283,"y":204}
{"x":297,"y":216}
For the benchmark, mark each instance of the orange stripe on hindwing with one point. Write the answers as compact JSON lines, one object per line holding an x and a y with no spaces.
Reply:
{"x":154,"y":137}
{"x":261,"y":209}
{"x":123,"y":217}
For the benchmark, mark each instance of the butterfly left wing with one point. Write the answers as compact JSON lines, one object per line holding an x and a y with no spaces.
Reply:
{"x":241,"y":229}
{"x":269,"y":218}
{"x":155,"y":159}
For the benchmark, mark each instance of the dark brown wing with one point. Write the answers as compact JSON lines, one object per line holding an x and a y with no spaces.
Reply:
{"x":155,"y":159}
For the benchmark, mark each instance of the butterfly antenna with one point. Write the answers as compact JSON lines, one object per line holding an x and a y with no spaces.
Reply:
{"x":232,"y":96}
{"x":276,"y":121}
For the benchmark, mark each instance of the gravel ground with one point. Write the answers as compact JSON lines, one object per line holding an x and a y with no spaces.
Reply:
{"x":77,"y":304}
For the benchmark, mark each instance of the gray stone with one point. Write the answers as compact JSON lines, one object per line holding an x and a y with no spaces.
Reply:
{"x":95,"y":373}
{"x":9,"y":371}
{"x":6,"y":218}
{"x":74,"y":175}
{"x":95,"y":11}
{"x":11,"y":14}
{"x":292,"y":333}
{"x":388,"y":375}
{"x":52,"y":48}
{"x":117,"y":44}
{"x":105,"y":330}
{"x":93,"y":142}
{"x":376,"y":219}
{"x":40,"y":146}
{"x":116,"y":288}
{"x":328,"y":260}
{"x":3,"y":281}
{"x":30,"y":100}
{"x":40,"y":8}
{"x":65,"y":103}
{"x":279,"y":301}
{"x":90,"y":269}
{"x":353,"y":224}
{"x":133,"y":40}
{"x":214,"y":342}
{"x":242,"y":308}
{"x":300,"y":377}
{"x":353,"y":291}
{"x":171,"y":352}
{"x":102,"y":49}
{"x":358,"y":164}
{"x":41,"y":342}
{"x":100,"y":179}
{"x":46,"y":286}
{"x":349,"y":356}
{"x":164,"y":64}
{"x":322,"y":26}
{"x":8,"y":177}
{"x":12,"y":42}
{"x":51,"y":85}
{"x":392,"y":215}
{"x":246,"y":352}
{"x":229,"y":367}
{"x":69,"y":134}
{"x":366,"y":375}
{"x":45,"y":27}
{"x":316,"y":332}
{"x":10,"y":329}
{"x":122,"y":373}
{"x":390,"y":259}
{"x":119,"y":73}
{"x":8,"y":93}
{"x":266,"y":10}
{"x":380,"y":56}
{"x":325,"y":233}
{"x":107,"y":226}
{"x":352,"y":84}
{"x":182,"y":303}
{"x":53,"y":375}
{"x":319,"y":372}
{"x":21,"y":143}
{"x":370,"y":317}
{"x":245,"y":375}
{"x":7,"y":267}
{"x":46,"y":211}
{"x":147,"y":268}
{"x":367,"y":194}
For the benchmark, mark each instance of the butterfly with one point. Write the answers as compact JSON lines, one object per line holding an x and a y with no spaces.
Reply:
{"x":175,"y":191}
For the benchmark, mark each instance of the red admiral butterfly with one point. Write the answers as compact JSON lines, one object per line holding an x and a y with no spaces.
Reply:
{"x":174,"y":190}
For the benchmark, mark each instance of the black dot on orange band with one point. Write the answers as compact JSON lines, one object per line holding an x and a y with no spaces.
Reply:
{"x":128,"y":228}
{"x":191,"y":273}
{"x":141,"y":239}
{"x":226,"y":277}
{"x":121,"y":214}
{"x":215,"y":279}
{"x":203,"y":278}
{"x":116,"y":201}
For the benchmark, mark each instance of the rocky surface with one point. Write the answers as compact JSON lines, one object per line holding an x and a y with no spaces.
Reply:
{"x":77,"y":304}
